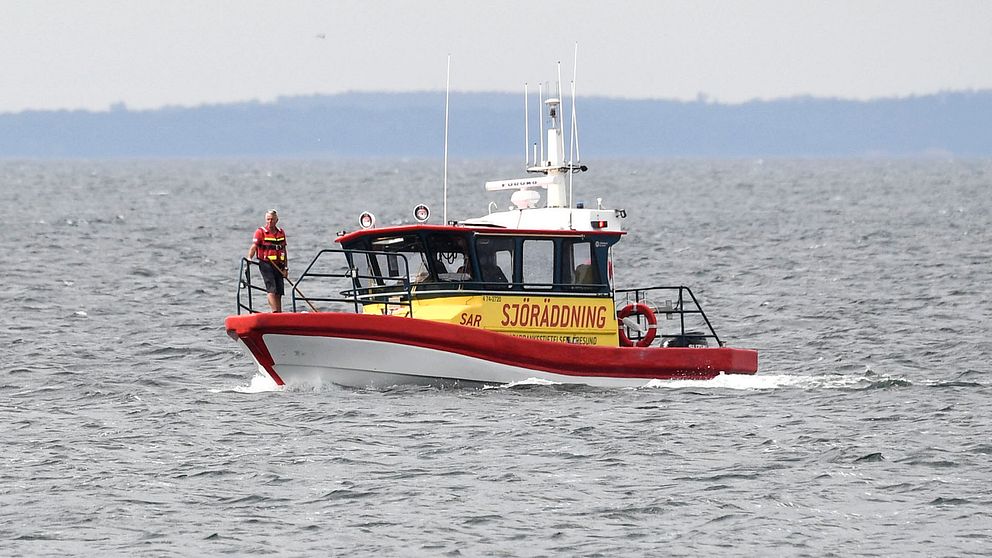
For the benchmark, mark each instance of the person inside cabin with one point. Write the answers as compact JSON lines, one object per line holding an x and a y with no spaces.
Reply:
{"x":269,"y":246}
{"x":585,"y":274}
{"x":439,"y":269}
{"x":491,"y":273}
{"x":465,"y":270}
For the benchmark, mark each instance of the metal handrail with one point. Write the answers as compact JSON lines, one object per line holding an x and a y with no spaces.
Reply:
{"x":356,"y":296}
{"x":679,"y":308}
{"x":245,"y":285}
{"x":359,"y":295}
{"x":398,"y":292}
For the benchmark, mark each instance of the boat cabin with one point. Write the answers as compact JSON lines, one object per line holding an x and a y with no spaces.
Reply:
{"x":443,"y":258}
{"x":543,"y":284}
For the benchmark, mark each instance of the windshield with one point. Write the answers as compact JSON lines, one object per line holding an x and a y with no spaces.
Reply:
{"x":395,"y":258}
{"x":449,"y":255}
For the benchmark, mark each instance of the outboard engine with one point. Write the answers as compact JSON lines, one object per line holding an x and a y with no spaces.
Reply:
{"x":689,"y":339}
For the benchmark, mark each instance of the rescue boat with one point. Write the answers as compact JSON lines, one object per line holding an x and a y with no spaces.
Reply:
{"x":516,"y":295}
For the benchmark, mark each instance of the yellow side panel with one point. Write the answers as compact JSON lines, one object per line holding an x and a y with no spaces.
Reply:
{"x":577,"y":320}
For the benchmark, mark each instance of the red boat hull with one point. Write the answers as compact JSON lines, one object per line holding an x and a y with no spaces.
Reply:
{"x":583,"y":364}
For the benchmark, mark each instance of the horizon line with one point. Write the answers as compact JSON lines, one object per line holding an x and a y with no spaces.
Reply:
{"x":701,"y":98}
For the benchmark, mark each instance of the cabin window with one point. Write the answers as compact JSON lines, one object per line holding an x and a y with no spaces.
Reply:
{"x":449,"y":256}
{"x":495,"y":260}
{"x":579,"y":263}
{"x":538,"y":263}
{"x":399,"y":257}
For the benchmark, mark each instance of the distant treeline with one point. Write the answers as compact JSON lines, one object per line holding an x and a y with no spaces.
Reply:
{"x":491,"y":125}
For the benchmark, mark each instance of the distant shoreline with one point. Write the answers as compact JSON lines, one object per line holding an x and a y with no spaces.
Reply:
{"x":490,"y":125}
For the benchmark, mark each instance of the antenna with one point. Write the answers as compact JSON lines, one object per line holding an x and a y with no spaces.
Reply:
{"x":447,"y":91}
{"x":541,"y":119}
{"x":571,"y":147}
{"x":575,"y":129}
{"x":526,"y":129}
{"x":575,"y":123}
{"x":573,"y":139}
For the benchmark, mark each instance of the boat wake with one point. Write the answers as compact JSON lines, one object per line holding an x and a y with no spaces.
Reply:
{"x":784,"y":381}
{"x":735,"y":381}
{"x":748,"y":382}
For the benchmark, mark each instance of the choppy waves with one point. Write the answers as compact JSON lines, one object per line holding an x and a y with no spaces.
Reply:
{"x":134,"y":425}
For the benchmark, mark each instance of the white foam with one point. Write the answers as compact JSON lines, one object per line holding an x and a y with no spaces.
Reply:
{"x":259,"y":384}
{"x":734,"y":381}
{"x":769,"y":381}
{"x":527,"y":382}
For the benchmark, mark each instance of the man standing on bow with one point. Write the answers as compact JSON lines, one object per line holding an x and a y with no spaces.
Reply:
{"x":269,"y":244}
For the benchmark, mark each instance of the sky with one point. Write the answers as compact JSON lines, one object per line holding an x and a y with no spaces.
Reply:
{"x":147,"y":54}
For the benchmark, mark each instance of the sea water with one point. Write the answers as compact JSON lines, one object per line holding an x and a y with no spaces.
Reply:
{"x":130,"y":424}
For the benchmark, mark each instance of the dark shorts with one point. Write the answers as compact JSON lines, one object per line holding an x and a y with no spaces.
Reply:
{"x":272,"y":277}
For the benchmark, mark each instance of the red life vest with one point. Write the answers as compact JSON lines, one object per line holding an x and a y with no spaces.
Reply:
{"x":271,"y":246}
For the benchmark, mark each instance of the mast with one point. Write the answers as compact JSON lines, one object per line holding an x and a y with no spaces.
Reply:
{"x":555,"y":165}
{"x":552,"y":162}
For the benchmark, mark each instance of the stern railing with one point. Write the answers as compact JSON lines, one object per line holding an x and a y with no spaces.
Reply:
{"x":668,"y":303}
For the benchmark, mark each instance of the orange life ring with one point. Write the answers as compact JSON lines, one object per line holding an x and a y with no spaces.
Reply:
{"x":643,"y":310}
